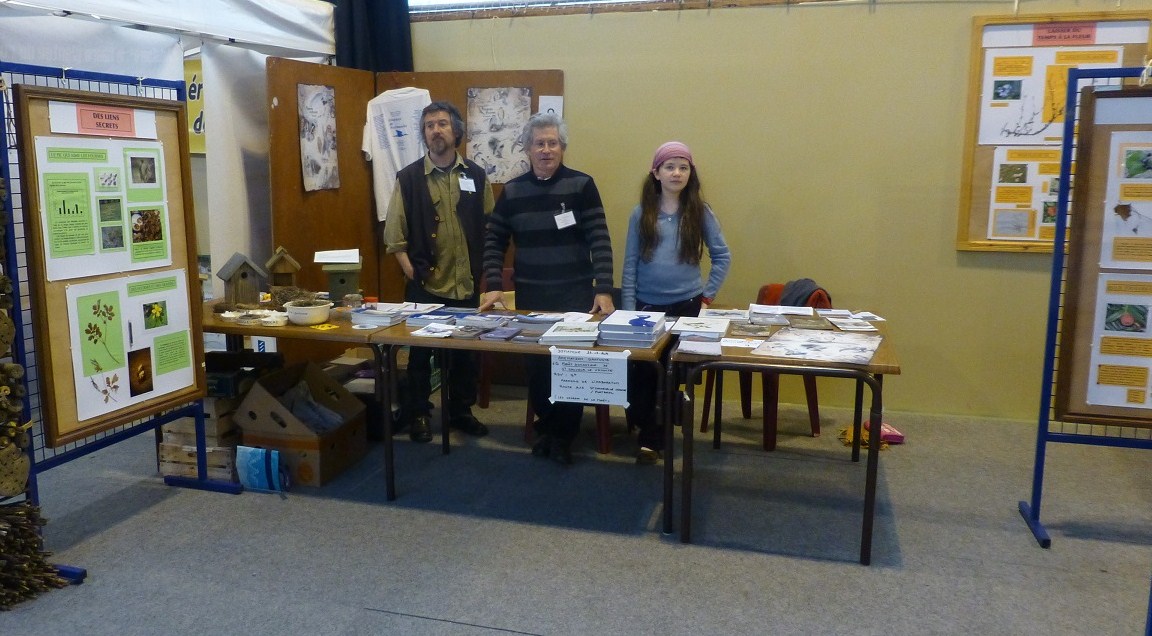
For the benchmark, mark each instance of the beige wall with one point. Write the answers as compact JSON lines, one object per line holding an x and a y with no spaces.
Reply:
{"x":829,"y":142}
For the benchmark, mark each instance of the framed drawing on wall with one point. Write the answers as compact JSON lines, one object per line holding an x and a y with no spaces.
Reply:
{"x":112,"y":268}
{"x":1014,"y":131}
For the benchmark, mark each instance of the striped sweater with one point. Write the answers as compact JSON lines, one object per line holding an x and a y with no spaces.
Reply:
{"x":529,"y":211}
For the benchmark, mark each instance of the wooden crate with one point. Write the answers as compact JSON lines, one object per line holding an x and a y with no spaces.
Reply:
{"x":231,"y":438}
{"x":180,"y":460}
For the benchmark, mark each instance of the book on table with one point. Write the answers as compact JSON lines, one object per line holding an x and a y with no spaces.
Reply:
{"x":697,"y":328}
{"x":751,"y":330}
{"x":421,"y":320}
{"x":809,"y":322}
{"x":734,"y":315}
{"x":539,"y":318}
{"x":488,"y":320}
{"x":502,"y":333}
{"x":529,"y":335}
{"x":376,"y":317}
{"x":775,"y":314}
{"x":469,"y":332}
{"x":633,"y":322}
{"x":570,"y":333}
{"x":628,"y":340}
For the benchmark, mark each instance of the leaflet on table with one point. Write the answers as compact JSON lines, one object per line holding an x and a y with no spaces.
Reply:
{"x":434,"y":330}
{"x":818,"y":345}
{"x":734,"y":315}
{"x":409,"y":308}
{"x":852,"y":324}
{"x":742,"y":343}
{"x":103,"y":206}
{"x":786,"y":310}
{"x":701,"y":347}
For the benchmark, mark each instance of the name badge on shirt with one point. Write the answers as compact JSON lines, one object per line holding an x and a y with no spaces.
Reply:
{"x":564,"y":218}
{"x":467,"y":185}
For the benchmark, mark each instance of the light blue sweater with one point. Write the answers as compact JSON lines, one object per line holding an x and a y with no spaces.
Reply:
{"x":665,"y":280}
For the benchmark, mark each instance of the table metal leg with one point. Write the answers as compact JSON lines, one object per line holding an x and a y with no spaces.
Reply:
{"x":686,"y":472}
{"x":875,"y":416}
{"x":442,"y":363}
{"x":671,"y":393}
{"x":383,"y":390}
{"x":857,"y":419}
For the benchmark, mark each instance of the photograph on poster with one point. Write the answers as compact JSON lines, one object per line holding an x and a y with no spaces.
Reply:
{"x":132,"y":336}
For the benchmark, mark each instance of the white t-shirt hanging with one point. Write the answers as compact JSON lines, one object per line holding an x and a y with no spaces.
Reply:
{"x":393,"y":139}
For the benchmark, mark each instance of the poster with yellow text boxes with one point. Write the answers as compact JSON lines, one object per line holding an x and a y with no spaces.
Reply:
{"x":1025,"y":185}
{"x":1126,"y":236}
{"x":1122,"y":342}
{"x":1024,"y":90}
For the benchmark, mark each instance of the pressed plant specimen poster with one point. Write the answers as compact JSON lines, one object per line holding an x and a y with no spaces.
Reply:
{"x":131,"y":338}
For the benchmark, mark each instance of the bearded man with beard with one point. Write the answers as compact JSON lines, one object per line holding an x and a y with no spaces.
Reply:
{"x":435,"y":229}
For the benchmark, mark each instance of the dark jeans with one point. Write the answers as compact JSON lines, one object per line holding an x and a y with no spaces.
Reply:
{"x":462,"y":373}
{"x":558,"y":419}
{"x":642,"y":379}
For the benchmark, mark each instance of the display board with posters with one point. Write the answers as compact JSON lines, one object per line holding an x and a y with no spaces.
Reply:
{"x":112,"y":268}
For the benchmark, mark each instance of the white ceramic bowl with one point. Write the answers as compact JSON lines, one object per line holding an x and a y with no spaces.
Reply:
{"x":307,"y":315}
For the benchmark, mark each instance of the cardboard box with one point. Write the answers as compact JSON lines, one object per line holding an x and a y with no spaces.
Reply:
{"x":313,"y":458}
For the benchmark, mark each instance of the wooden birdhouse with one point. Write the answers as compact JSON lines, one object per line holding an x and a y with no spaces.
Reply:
{"x":281,"y":269}
{"x":242,"y":281}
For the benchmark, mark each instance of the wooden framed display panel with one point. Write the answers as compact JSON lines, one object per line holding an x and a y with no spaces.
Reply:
{"x":1105,"y":341}
{"x":1017,"y":77}
{"x":112,"y":267}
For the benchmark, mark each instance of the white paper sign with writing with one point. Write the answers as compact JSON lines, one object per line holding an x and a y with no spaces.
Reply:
{"x":589,"y":376}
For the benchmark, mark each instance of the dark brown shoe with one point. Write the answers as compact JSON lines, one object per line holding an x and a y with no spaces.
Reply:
{"x":420,"y":429}
{"x":469,"y":425}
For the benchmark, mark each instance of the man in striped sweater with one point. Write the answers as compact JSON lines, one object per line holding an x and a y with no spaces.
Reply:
{"x":563,"y":261}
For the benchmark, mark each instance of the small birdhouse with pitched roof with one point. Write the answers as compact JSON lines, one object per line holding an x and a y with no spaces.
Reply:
{"x":242,"y":280}
{"x":281,"y":269}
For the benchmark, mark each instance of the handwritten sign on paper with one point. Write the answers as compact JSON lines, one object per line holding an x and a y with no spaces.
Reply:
{"x":589,"y":376}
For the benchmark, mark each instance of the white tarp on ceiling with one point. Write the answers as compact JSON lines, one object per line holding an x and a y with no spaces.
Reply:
{"x":234,"y":36}
{"x":300,"y":27}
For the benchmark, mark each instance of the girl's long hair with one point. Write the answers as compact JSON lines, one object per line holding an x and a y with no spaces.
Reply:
{"x":692,"y":210}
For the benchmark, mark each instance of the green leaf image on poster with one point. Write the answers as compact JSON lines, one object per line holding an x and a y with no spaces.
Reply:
{"x":101,"y":332}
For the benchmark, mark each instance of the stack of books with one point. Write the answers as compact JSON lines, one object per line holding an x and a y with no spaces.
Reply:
{"x":469,"y":332}
{"x":624,"y":328}
{"x":376,"y":317}
{"x":488,"y":320}
{"x":502,"y":334}
{"x":441,"y":316}
{"x":435,"y":317}
{"x":774,"y":314}
{"x":700,"y":328}
{"x":529,"y":334}
{"x":570,"y":334}
{"x":538,"y":318}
